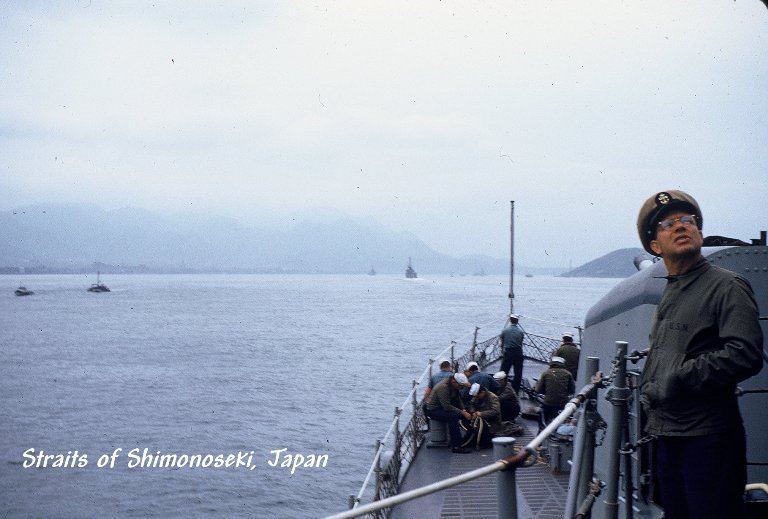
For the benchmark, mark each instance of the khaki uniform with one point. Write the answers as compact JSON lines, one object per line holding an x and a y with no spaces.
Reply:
{"x":489,"y":408}
{"x":445,"y":397}
{"x":556,"y":384}
{"x":570,"y":352}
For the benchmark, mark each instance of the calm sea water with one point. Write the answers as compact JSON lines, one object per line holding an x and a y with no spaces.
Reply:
{"x":220,"y":365}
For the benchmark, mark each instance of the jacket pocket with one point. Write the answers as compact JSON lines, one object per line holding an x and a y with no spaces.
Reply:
{"x":662,"y":386}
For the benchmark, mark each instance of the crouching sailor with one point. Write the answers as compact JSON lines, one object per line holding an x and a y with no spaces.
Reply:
{"x":445,"y":405}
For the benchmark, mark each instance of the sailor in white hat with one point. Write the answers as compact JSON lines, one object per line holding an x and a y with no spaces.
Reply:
{"x":512,"y":348}
{"x":569,"y":351}
{"x":445,"y":405}
{"x":557,"y":386}
{"x":486,"y":380}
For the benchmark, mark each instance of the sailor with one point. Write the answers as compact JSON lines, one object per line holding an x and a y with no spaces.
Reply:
{"x":445,"y":405}
{"x":485,"y":405}
{"x":510,"y":404}
{"x":705,"y":339}
{"x":473,"y":373}
{"x":512,"y":345}
{"x":570,"y":352}
{"x":557,"y":386}
{"x":445,"y":372}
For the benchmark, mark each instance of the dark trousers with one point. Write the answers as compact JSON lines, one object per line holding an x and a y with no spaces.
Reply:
{"x":510,"y":409}
{"x":702,"y":477}
{"x":549,"y":413}
{"x":514,"y":358}
{"x":450,"y":418}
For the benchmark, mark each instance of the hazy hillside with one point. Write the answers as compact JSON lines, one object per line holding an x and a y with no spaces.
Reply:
{"x":616,"y":264}
{"x":76,"y":237}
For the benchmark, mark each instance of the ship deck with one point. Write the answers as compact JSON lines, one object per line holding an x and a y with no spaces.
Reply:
{"x":541,"y":490}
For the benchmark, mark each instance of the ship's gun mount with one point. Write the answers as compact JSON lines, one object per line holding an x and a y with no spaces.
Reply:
{"x":725,"y":241}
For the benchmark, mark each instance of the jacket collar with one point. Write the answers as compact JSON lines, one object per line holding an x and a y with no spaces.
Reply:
{"x":692,"y":275}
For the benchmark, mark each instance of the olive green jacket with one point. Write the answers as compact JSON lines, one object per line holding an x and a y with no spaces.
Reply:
{"x":705,"y":339}
{"x":445,"y":396}
{"x":556,"y":384}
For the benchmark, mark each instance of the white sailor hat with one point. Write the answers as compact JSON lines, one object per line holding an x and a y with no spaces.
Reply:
{"x":472,"y":364}
{"x":475,"y":389}
{"x":461,"y":378}
{"x":499,"y":375}
{"x":558,"y":360}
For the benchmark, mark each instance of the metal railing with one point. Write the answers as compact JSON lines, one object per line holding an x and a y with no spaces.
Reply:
{"x":389,"y":466}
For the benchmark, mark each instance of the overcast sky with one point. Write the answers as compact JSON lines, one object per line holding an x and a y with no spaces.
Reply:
{"x":429,"y":116}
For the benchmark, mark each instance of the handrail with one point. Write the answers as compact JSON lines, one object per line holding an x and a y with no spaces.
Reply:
{"x":384,"y":440}
{"x":424,"y":374}
{"x":423,"y":491}
{"x":370,"y":473}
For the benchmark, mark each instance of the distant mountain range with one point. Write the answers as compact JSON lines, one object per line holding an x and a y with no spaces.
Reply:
{"x":69,"y":238}
{"x":74,"y":238}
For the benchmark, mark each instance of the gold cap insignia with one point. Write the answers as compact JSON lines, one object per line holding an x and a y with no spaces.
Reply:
{"x":663,"y":198}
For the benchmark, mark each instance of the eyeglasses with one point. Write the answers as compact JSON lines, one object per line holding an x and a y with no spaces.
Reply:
{"x":688,"y":219}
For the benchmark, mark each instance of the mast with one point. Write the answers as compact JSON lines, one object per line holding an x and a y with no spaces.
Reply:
{"x":512,"y":258}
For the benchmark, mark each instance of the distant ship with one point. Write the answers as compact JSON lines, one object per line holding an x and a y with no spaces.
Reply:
{"x":409,"y":272}
{"x":372,"y":272}
{"x":98,"y":286}
{"x":23,"y":291}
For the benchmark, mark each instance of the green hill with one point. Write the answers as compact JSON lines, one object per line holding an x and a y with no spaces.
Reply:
{"x":616,"y":264}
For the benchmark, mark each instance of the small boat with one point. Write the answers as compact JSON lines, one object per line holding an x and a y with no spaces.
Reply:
{"x":372,"y":272}
{"x":23,"y":291}
{"x":409,"y":272}
{"x":98,"y":286}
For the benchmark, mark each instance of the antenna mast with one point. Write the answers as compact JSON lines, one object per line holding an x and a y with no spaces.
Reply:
{"x":512,"y":258}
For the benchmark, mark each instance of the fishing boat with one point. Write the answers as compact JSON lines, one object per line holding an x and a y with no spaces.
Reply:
{"x":23,"y":291}
{"x":98,"y":286}
{"x":604,"y":469}
{"x":409,"y":272}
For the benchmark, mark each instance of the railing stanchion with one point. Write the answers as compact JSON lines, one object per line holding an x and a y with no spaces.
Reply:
{"x":416,"y":424}
{"x":397,"y":456}
{"x":506,"y":487}
{"x":618,"y":396}
{"x":584,"y":445}
{"x":377,"y":493}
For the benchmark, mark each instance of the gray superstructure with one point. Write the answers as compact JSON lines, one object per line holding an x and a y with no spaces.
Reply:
{"x":625,"y":314}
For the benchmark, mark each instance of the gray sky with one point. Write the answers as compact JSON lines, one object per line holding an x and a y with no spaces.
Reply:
{"x":429,"y":116}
